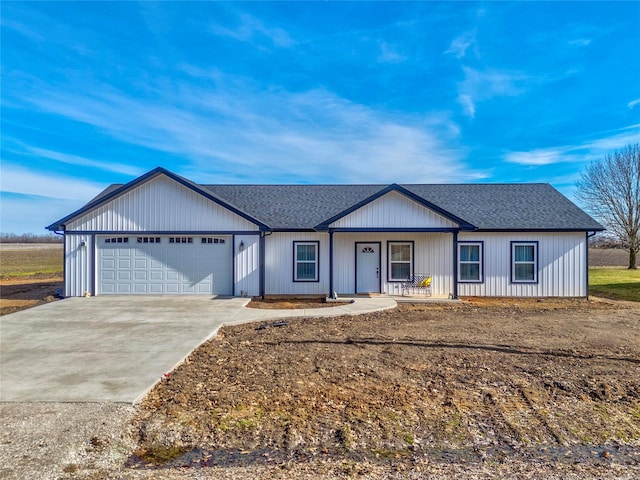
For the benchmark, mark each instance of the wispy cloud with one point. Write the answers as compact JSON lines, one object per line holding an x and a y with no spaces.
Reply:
{"x":46,"y":184}
{"x":77,"y":160}
{"x":461,"y":44}
{"x":390,"y":54}
{"x":580,"y":42}
{"x":479,"y":86}
{"x":248,"y":133}
{"x":587,"y":151}
{"x":254,"y":31}
{"x":633,"y":103}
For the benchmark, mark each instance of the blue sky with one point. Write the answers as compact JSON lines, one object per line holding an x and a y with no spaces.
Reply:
{"x":316,"y":92}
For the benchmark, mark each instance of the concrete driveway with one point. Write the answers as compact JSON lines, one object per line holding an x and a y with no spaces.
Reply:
{"x":103,"y":348}
{"x":114,"y":348}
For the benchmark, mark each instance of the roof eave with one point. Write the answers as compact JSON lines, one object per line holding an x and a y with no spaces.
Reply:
{"x":394,"y":187}
{"x":61,"y":224}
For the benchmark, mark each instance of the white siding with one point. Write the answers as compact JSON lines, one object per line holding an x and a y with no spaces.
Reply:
{"x":561,"y":265}
{"x":247,"y":265}
{"x":161,"y":204}
{"x":393,"y":210}
{"x":279,"y":264}
{"x":432,"y":254}
{"x":78,"y":273}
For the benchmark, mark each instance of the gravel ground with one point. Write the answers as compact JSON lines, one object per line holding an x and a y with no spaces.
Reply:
{"x":51,"y":441}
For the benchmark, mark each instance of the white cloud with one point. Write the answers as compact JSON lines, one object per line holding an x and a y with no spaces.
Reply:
{"x":582,"y":152}
{"x":238,"y":131}
{"x":468,"y":105}
{"x":389,"y":54}
{"x":633,"y":103}
{"x":252,"y":30}
{"x":580,"y":42}
{"x":479,"y":86}
{"x":461,"y":44}
{"x":81,"y":161}
{"x":22,"y":181}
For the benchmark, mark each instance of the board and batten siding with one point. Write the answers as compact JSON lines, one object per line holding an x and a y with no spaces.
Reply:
{"x":562,"y":265}
{"x":161,"y":205}
{"x":279,"y":264}
{"x":247,"y":265}
{"x":393,"y":210}
{"x":78,"y":271}
{"x":432,"y":254}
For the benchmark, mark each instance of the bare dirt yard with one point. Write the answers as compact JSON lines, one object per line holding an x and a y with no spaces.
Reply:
{"x":30,"y":273}
{"x":533,"y":385}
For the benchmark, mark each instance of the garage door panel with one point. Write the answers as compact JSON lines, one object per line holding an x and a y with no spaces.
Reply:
{"x":123,"y":275}
{"x":156,"y":275}
{"x":141,"y":267}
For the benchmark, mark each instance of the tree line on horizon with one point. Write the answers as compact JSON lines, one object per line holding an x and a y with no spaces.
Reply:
{"x":30,"y":238}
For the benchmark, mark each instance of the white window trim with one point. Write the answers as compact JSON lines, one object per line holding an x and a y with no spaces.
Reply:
{"x":391,"y":262}
{"x":316,"y":262}
{"x":534,"y":262}
{"x":480,"y":261}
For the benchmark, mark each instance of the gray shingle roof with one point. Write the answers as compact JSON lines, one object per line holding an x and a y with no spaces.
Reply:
{"x":529,"y":206}
{"x":535,"y":206}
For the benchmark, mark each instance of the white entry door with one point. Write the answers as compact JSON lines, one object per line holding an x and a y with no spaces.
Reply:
{"x":368,"y":267}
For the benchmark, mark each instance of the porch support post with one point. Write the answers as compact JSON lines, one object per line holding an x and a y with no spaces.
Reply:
{"x":455,"y":265}
{"x":261,"y":264}
{"x":331,"y":264}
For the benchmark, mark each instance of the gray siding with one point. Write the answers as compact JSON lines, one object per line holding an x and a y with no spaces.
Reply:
{"x":247,"y":265}
{"x":79,"y":275}
{"x":393,"y":210}
{"x":161,"y":204}
{"x":562,"y":265}
{"x":279,"y":264}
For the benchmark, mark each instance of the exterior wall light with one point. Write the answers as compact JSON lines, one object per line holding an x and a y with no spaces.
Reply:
{"x":241,"y":246}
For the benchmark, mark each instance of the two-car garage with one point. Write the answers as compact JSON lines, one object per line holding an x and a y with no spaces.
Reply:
{"x":162,"y":264}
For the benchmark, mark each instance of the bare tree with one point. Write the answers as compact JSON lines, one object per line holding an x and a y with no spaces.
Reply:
{"x":610,"y":190}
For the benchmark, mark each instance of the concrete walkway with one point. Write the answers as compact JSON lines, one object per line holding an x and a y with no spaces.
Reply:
{"x":114,"y":348}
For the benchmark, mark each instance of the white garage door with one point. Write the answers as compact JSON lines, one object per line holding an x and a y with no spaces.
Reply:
{"x":164,"y":265}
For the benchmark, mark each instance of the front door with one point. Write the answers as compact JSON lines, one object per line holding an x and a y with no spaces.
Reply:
{"x":368,"y":267}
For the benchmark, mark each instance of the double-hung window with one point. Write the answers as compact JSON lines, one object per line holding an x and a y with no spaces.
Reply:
{"x":305,"y":261}
{"x":470,"y":262}
{"x":400,"y":261}
{"x":524,"y":262}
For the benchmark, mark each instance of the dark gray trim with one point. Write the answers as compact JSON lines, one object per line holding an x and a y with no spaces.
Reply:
{"x":295,"y":260}
{"x":481,"y":261}
{"x":355,"y":279}
{"x":537,"y":230}
{"x":537,"y":262}
{"x":143,"y":179}
{"x":413,"y":258}
{"x":396,"y":188}
{"x":394,"y":230}
{"x":162,"y":232}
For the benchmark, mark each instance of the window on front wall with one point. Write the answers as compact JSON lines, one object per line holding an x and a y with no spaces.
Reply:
{"x":470,"y":262}
{"x":305,"y":261}
{"x":524,"y":262}
{"x":400,"y":260}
